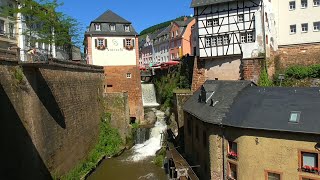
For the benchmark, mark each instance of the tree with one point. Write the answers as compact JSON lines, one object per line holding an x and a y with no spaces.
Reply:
{"x":43,"y":24}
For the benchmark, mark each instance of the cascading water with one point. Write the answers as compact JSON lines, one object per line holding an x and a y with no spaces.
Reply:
{"x":153,"y":144}
{"x":149,"y":95}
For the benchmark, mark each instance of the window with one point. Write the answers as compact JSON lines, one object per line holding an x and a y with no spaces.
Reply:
{"x":243,"y":37}
{"x":128,"y":75}
{"x":294,"y":116}
{"x":213,"y":41}
{"x":250,"y":37}
{"x":208,"y":42}
{"x":304,"y":27}
{"x":304,"y":4}
{"x":178,"y":55}
{"x":316,"y":2}
{"x":126,"y":28}
{"x":232,"y":171}
{"x":308,"y":161}
{"x":232,"y":150}
{"x":100,"y":42}
{"x":209,"y":22}
{"x":240,"y":18}
{"x":225,"y":39}
{"x":293,"y":29}
{"x":316,"y":26}
{"x":216,"y":22}
{"x":98,"y":27}
{"x":273,"y":175}
{"x":219,"y":40}
{"x":112,"y":27}
{"x":292,"y":5}
{"x":2,"y":27}
{"x":128,"y":42}
{"x":11,"y":29}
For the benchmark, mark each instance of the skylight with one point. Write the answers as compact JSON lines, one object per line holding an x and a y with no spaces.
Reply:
{"x":294,"y":116}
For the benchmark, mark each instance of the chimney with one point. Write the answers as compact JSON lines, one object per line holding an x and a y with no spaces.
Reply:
{"x":185,"y":18}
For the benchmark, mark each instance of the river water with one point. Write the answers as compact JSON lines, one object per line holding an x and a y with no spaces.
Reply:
{"x":136,"y":163}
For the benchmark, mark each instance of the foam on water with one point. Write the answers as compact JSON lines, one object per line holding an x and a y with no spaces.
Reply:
{"x":152,"y":145}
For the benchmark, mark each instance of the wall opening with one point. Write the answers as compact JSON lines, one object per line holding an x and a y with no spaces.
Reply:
{"x":132,"y":120}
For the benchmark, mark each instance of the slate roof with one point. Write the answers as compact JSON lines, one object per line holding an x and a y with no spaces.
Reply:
{"x":270,"y":108}
{"x":223,"y":96}
{"x":198,"y":3}
{"x":108,"y":18}
{"x":242,"y":105}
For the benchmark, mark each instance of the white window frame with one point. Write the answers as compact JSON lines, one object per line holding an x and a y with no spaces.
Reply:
{"x":292,"y":6}
{"x":219,"y":40}
{"x":225,"y":39}
{"x":129,"y":75}
{"x":208,"y":42}
{"x":250,"y":37}
{"x":316,"y":26}
{"x":293,"y":27}
{"x":209,"y":22}
{"x":215,"y":22}
{"x":126,"y":28}
{"x":213,"y":41}
{"x":100,"y":42}
{"x":304,"y":4}
{"x":243,"y":38}
{"x":240,"y":18}
{"x":316,"y":3}
{"x":128,"y":42}
{"x":97,"y":27}
{"x":112,"y":27}
{"x":304,"y":29}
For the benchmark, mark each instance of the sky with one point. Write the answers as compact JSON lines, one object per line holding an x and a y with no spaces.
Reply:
{"x":142,"y":13}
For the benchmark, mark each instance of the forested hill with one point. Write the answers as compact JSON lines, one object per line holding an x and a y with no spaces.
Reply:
{"x":159,"y":26}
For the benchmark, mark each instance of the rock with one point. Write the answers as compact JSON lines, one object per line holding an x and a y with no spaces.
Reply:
{"x":315,"y":83}
{"x":150,"y":117}
{"x":167,"y":112}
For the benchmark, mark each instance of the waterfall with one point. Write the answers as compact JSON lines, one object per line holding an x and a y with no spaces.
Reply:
{"x":149,"y":95}
{"x":142,"y":135}
{"x":153,"y":144}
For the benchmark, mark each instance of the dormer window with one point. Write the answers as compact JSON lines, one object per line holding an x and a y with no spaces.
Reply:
{"x":294,"y":116}
{"x":112,"y":27}
{"x":97,"y":27}
{"x":126,"y":28}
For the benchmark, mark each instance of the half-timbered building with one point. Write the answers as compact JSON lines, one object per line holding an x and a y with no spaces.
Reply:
{"x":229,"y":31}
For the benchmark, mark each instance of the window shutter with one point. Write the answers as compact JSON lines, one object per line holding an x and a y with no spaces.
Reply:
{"x":95,"y":43}
{"x":132,"y":42}
{"x":124,"y":43}
{"x":105,"y":43}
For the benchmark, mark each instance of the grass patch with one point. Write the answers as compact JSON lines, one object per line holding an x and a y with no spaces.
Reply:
{"x":109,"y":143}
{"x":18,"y":75}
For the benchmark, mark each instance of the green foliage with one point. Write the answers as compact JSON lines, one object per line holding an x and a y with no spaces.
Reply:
{"x":264,"y":79}
{"x":158,"y":160}
{"x":109,"y":143}
{"x":301,"y":72}
{"x":135,"y":126}
{"x":160,"y":26}
{"x":18,"y":74}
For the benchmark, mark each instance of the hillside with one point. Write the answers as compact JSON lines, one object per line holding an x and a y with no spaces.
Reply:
{"x":160,"y":25}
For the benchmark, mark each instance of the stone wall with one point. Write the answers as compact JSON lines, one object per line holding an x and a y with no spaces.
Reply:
{"x":117,"y":81}
{"x":198,"y":77}
{"x":50,"y":114}
{"x":117,"y":104}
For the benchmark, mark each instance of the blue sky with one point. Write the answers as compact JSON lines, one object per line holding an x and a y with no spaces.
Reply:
{"x":142,"y":13}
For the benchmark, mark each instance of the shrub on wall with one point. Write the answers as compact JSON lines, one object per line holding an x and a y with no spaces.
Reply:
{"x":301,"y":72}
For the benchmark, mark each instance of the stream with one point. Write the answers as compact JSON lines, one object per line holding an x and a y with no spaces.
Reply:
{"x":136,"y":163}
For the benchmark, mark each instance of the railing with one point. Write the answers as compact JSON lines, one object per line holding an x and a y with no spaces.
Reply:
{"x":34,"y":56}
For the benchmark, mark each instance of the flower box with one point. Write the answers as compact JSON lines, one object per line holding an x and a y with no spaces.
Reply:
{"x":310,"y":169}
{"x":129,"y":47}
{"x":232,"y":155}
{"x":101,"y":47}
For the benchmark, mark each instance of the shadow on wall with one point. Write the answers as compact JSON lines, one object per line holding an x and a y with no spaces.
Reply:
{"x":19,"y":156}
{"x":46,"y":97}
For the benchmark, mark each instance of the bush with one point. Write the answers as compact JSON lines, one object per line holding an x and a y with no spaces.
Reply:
{"x":109,"y":143}
{"x":301,"y":72}
{"x":264,"y":79}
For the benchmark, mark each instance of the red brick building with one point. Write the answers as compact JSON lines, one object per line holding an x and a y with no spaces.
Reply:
{"x":112,"y":42}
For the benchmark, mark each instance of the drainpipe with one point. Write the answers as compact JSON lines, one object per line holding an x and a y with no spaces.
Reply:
{"x":264,"y":35}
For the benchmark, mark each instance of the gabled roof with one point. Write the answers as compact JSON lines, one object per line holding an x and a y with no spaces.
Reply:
{"x":220,"y":93}
{"x":198,"y":3}
{"x":240,"y":104}
{"x":110,"y":17}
